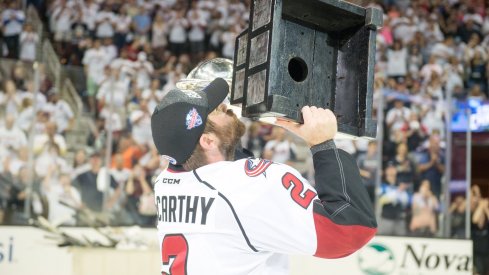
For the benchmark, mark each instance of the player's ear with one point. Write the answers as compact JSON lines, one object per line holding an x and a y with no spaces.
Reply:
{"x":208,"y":141}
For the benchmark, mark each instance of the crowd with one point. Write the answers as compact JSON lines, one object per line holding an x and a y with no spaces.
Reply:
{"x":133,"y":52}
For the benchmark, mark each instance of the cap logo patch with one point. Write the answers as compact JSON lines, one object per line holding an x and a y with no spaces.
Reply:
{"x":193,"y":119}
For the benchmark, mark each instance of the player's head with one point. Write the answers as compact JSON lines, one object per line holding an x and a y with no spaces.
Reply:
{"x":194,"y":128}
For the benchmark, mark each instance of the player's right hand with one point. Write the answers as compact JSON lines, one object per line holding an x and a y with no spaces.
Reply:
{"x":319,"y":125}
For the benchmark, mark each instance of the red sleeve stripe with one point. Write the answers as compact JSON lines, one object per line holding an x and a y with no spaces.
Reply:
{"x":337,"y":241}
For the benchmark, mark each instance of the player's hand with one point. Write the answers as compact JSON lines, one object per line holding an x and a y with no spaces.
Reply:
{"x":319,"y":125}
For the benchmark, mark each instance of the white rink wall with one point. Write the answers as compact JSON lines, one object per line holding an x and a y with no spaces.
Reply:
{"x":26,"y":250}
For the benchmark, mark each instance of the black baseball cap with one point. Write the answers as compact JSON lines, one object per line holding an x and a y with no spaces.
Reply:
{"x":179,"y":120}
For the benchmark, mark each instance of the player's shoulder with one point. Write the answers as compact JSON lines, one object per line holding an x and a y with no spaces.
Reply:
{"x":247,"y":168}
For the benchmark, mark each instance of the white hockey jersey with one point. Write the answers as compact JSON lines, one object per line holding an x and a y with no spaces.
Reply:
{"x":247,"y":216}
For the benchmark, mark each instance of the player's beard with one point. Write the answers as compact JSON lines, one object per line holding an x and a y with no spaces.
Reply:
{"x":228,"y":135}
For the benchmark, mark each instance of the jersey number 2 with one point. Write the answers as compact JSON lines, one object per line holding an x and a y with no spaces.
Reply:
{"x":295,"y":185}
{"x":174,"y":255}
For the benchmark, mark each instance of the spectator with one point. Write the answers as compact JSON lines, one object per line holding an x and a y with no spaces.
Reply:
{"x":92,"y":193}
{"x":404,"y":166}
{"x":397,"y":58}
{"x":178,"y":34}
{"x":198,"y":24}
{"x":480,"y":232}
{"x":28,"y":44}
{"x":44,"y":142}
{"x":142,"y":25}
{"x":432,"y":165}
{"x":369,"y":163}
{"x":11,"y":137}
{"x":12,"y":21}
{"x":122,"y":28}
{"x":60,"y":112}
{"x":80,"y":164}
{"x":105,"y":22}
{"x":396,"y":117}
{"x":393,"y":200}
{"x":143,"y":71}
{"x":94,"y":61}
{"x":256,"y":142}
{"x":63,"y":198}
{"x":141,"y":124}
{"x":62,"y":17}
{"x":9,"y":99}
{"x":457,"y":212}
{"x":159,"y":31}
{"x":424,"y":207}
{"x":279,"y":149}
{"x":137,"y":190}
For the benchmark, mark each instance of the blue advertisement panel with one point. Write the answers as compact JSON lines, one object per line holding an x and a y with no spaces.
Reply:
{"x":479,"y":116}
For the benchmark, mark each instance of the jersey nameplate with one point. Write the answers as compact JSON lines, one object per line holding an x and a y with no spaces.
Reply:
{"x":188,"y":212}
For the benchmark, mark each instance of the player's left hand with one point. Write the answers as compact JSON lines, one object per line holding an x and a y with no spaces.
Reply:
{"x":319,"y":125}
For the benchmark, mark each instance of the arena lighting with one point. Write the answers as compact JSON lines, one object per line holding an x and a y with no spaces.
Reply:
{"x":311,"y":52}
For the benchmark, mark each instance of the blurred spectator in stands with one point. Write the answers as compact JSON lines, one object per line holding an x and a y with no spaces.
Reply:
{"x":432,"y":165}
{"x":60,"y":112}
{"x":397,"y":58}
{"x":122,"y":28}
{"x":431,"y":67}
{"x":457,"y":219}
{"x":476,"y":93}
{"x":256,"y":141}
{"x":405,"y":166}
{"x":130,"y":150}
{"x":424,"y":208}
{"x":109,"y":48}
{"x":28,"y":44}
{"x":153,"y":94}
{"x":43,"y":142}
{"x":62,"y":17}
{"x":141,"y":124}
{"x":12,"y":138}
{"x":12,"y":21}
{"x":227,"y":40}
{"x":478,"y":72}
{"x":444,"y":50}
{"x":94,"y":61}
{"x":459,"y":93}
{"x":178,"y":35}
{"x":62,"y":198}
{"x":143,"y":71}
{"x":416,"y":132}
{"x":138,"y":190}
{"x":467,"y":29}
{"x":9,"y":99}
{"x":415,"y":61}
{"x":279,"y":149}
{"x":453,"y":73}
{"x":159,"y":32}
{"x":18,"y":194}
{"x":393,"y":201}
{"x":369,"y":163}
{"x":105,"y":22}
{"x":142,"y":25}
{"x":90,"y":187}
{"x":198,"y":23}
{"x":396,"y":117}
{"x":80,"y":164}
{"x":480,"y":231}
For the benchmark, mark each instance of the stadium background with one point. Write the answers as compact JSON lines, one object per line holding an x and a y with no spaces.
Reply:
{"x":70,"y":156}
